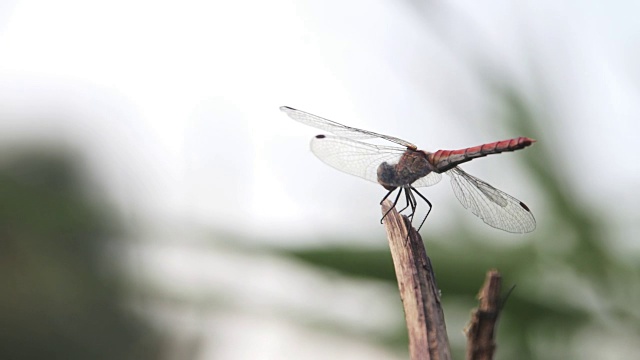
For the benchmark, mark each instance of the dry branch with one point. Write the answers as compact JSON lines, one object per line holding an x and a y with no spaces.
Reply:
{"x":481,"y":330}
{"x":418,"y":289}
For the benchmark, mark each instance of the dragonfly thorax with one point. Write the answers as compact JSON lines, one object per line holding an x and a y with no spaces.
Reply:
{"x":412,"y":166}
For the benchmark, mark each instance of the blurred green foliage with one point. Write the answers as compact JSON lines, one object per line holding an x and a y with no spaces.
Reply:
{"x":61,"y":297}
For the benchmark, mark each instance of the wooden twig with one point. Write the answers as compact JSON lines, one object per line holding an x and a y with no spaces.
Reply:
{"x":418,"y":289}
{"x":481,"y":330}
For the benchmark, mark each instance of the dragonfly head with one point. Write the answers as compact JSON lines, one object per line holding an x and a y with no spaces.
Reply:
{"x":387,"y":175}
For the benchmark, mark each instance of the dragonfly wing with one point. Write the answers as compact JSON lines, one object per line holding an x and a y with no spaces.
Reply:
{"x":431,"y":179}
{"x":494,"y":207}
{"x":354,"y":157}
{"x":339,"y":129}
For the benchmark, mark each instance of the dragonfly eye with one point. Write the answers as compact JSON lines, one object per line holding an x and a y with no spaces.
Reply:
{"x":387,"y":174}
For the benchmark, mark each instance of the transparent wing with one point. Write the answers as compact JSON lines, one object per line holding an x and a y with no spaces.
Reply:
{"x":494,"y":207}
{"x":354,"y":157}
{"x":339,"y":129}
{"x":431,"y":179}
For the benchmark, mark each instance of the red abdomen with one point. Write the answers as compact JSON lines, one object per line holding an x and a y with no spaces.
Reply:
{"x":443,"y":160}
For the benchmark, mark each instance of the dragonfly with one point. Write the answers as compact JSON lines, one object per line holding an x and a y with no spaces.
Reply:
{"x":402,"y":166}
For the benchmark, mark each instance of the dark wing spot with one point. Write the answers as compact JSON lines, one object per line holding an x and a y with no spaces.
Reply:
{"x":320,"y":136}
{"x":524,"y":206}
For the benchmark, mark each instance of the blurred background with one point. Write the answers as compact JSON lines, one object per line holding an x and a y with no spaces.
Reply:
{"x":156,"y":204}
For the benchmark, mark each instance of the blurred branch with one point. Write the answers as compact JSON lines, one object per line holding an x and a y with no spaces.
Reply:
{"x":418,"y":290}
{"x":481,"y":330}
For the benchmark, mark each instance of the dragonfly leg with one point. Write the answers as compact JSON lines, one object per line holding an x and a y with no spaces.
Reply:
{"x":394,"y":202}
{"x":407,"y":200}
{"x":412,"y":200}
{"x":386,"y":196}
{"x":428,"y":202}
